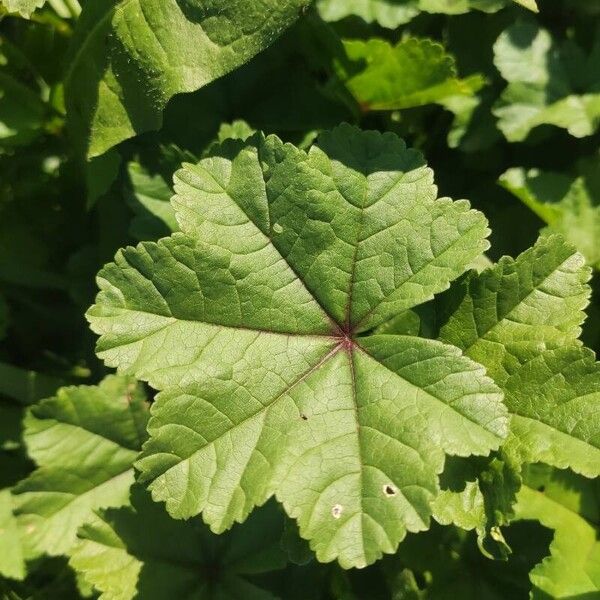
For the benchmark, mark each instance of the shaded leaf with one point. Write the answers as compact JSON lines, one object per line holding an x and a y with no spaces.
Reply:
{"x":123,"y":557}
{"x":131,"y":57}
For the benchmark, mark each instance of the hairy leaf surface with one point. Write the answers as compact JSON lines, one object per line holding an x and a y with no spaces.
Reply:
{"x":248,"y":321}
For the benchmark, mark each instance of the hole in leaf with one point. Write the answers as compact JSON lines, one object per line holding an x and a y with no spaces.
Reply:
{"x":389,"y":490}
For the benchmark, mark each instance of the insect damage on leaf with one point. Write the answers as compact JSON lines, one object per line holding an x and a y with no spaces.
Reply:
{"x":258,"y":339}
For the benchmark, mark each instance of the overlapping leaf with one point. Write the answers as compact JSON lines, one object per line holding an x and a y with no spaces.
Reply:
{"x":521,"y":320}
{"x":544,"y":79}
{"x":140,"y":552}
{"x":84,"y":441}
{"x":131,"y":57}
{"x":248,"y":322}
{"x":387,"y":13}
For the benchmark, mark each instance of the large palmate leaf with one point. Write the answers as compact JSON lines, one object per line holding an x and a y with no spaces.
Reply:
{"x":131,"y":57}
{"x":414,"y":72}
{"x":564,"y":203}
{"x":141,"y":552}
{"x":84,"y":441}
{"x":544,"y":78}
{"x":248,"y":321}
{"x":569,"y":505}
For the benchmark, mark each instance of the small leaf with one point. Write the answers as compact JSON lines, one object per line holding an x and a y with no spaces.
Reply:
{"x":84,"y":441}
{"x":412,"y":73}
{"x":149,"y":196}
{"x":387,"y":13}
{"x":554,"y":399}
{"x":248,"y":323}
{"x":24,"y":7}
{"x":529,"y":4}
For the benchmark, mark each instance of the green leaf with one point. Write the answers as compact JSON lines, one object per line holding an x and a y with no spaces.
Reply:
{"x":84,"y":441}
{"x":387,"y":13}
{"x":26,"y":386}
{"x":12,"y":563}
{"x":554,"y":400}
{"x":248,"y":322}
{"x":414,"y":72}
{"x":140,"y":552}
{"x":130,"y":58}
{"x":568,"y":504}
{"x":537,"y":298}
{"x":543,"y":77}
{"x":564,"y":203}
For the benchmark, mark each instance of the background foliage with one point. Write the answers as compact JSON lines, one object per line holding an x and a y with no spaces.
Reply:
{"x":100,"y":104}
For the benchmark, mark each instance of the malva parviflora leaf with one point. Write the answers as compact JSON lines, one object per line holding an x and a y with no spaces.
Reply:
{"x":139,"y":551}
{"x":84,"y":441}
{"x":521,"y":319}
{"x":132,"y":56}
{"x":249,"y":323}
